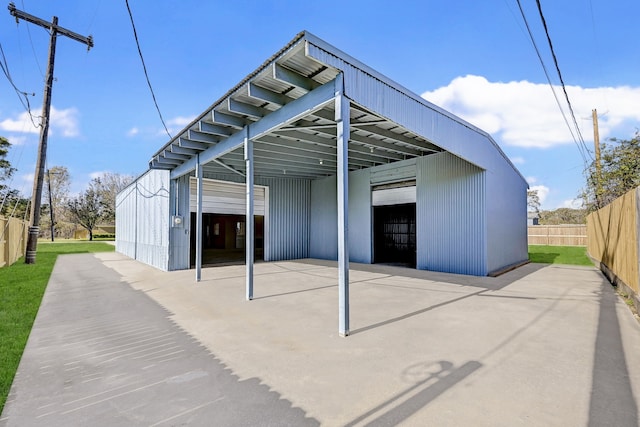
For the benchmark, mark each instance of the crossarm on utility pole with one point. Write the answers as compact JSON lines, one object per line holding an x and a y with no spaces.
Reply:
{"x":49,"y":25}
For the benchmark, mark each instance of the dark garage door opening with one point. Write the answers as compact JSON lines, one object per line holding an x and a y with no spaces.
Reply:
{"x":224,"y":238}
{"x":394,"y":234}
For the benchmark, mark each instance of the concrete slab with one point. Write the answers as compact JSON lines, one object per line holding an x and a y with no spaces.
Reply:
{"x":537,"y":346}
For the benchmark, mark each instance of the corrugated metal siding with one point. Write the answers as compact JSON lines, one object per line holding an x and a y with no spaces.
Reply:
{"x":142,"y":218}
{"x":323,"y":238}
{"x":179,"y":238}
{"x":126,"y":225}
{"x":288,"y":222}
{"x":360,"y":216}
{"x":450,"y":211}
{"x":506,"y":220}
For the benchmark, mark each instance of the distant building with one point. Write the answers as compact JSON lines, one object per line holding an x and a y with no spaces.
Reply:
{"x":532,"y":218}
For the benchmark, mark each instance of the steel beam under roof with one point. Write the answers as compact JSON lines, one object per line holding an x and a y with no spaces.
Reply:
{"x":268,"y":103}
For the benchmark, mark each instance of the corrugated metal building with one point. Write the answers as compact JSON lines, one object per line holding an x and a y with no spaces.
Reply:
{"x":333,"y":161}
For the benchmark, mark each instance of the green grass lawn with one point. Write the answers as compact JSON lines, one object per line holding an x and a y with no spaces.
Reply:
{"x":21,"y":290}
{"x":572,"y":255}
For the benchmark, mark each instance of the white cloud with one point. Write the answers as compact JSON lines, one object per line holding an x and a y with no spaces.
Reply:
{"x":17,"y":140}
{"x":543,"y":192}
{"x":21,"y":124}
{"x":525,"y":114}
{"x":180,"y":121}
{"x":63,"y":122}
{"x":518,"y":160}
{"x":573,"y":204}
{"x":176,"y":124}
{"x":531,"y":180}
{"x":133,"y":131}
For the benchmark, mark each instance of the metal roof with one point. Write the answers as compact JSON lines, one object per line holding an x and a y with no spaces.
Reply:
{"x":304,"y":147}
{"x":294,"y":135}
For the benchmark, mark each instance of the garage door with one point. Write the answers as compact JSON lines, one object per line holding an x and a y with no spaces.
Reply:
{"x":224,"y":197}
{"x":394,"y":223}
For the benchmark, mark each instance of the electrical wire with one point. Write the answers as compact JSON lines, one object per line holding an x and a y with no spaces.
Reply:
{"x":22,"y":96}
{"x":33,"y":49}
{"x":144,"y":67}
{"x":564,"y":89}
{"x":546,"y":73}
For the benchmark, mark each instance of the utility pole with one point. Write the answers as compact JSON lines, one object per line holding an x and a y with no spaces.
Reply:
{"x":596,"y":142}
{"x":50,"y":204}
{"x":54,"y":30}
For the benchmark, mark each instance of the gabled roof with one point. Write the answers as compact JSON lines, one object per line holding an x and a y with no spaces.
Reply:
{"x":286,"y":107}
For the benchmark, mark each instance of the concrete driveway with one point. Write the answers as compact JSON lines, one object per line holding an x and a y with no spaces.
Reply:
{"x":120,"y":343}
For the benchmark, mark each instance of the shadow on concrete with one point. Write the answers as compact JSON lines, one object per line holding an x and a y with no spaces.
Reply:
{"x":431,"y":380}
{"x":612,"y":400}
{"x":489,"y":283}
{"x":414,"y":313}
{"x":296,"y":292}
{"x":103,"y":354}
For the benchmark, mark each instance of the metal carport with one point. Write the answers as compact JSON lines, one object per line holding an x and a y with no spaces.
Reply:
{"x":311,"y":111}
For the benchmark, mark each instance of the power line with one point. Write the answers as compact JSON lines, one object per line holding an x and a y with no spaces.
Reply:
{"x":33,"y":49}
{"x":144,"y":67}
{"x":546,"y":73}
{"x":564,"y":89}
{"x":22,"y":96}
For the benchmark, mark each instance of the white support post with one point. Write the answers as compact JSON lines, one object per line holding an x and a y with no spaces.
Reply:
{"x":342,"y":136}
{"x":198,"y":219}
{"x":249,"y":224}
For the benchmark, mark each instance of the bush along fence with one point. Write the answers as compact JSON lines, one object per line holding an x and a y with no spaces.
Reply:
{"x":557,"y":235}
{"x":13,"y":240}
{"x":613,"y":242}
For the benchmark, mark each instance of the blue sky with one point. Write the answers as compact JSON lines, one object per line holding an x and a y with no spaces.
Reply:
{"x":474,"y":58}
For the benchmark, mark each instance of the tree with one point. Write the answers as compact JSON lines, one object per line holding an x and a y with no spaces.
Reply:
{"x":563,"y":216}
{"x":109,"y":185}
{"x":57,"y":183}
{"x":533,"y":201}
{"x":88,"y":208}
{"x":619,"y":172}
{"x":8,"y":197}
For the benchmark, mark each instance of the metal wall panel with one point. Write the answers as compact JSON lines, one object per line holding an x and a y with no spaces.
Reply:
{"x":126,"y":224}
{"x":360,"y":216}
{"x":450,"y":216}
{"x":323,"y":238}
{"x":179,"y":238}
{"x":142,"y":219}
{"x":288,"y":224}
{"x":506,"y":220}
{"x":324,"y":221}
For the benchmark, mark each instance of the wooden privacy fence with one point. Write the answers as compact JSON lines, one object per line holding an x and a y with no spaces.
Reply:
{"x":558,"y":235}
{"x":13,"y":240}
{"x":613,"y":240}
